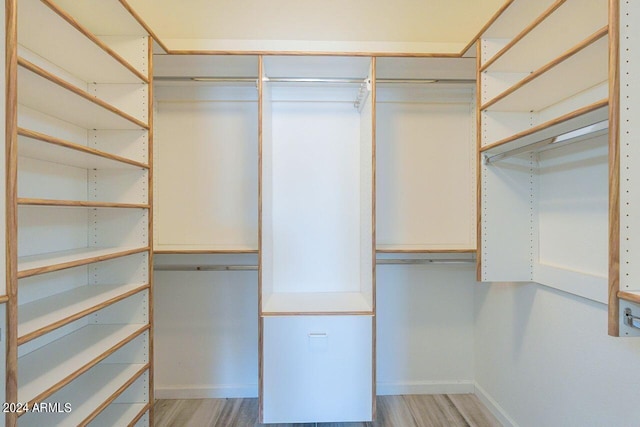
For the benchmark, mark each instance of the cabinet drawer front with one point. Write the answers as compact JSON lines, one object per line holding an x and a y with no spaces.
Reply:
{"x":317,"y":369}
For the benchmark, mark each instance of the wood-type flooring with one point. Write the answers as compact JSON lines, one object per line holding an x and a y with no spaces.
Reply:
{"x":442,"y":410}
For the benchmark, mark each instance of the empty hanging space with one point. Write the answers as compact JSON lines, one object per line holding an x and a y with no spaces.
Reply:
{"x":206,"y":157}
{"x":426,"y":155}
{"x":317,"y":185}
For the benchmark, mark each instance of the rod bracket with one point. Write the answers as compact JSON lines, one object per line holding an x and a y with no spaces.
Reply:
{"x":631,"y":320}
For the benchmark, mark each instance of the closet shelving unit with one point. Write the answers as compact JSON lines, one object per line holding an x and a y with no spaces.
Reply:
{"x":79,"y":259}
{"x":317,"y":251}
{"x":549,"y":146}
{"x":206,"y":141}
{"x":425,"y":110}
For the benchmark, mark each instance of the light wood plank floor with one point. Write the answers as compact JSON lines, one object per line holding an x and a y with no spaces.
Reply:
{"x":442,"y":410}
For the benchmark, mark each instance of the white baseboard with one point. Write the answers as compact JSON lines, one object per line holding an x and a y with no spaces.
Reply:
{"x":494,"y":407}
{"x":191,"y":391}
{"x":425,"y":387}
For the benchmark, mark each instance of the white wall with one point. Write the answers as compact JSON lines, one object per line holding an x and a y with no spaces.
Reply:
{"x":206,"y":330}
{"x":544,"y":356}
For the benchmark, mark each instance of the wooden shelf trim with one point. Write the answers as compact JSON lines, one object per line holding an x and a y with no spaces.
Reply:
{"x":99,"y":43}
{"x":79,"y":203}
{"x":144,"y":25}
{"x":114,"y":396}
{"x":81,"y":148}
{"x":629,"y":296}
{"x":78,"y":315}
{"x":78,"y":262}
{"x":79,"y":92}
{"x":51,"y":390}
{"x":316,"y":313}
{"x":426,"y":251}
{"x":572,"y":115}
{"x":139,"y":415}
{"x":531,"y":77}
{"x":524,"y":32}
{"x":204,"y":251}
{"x":4,"y":299}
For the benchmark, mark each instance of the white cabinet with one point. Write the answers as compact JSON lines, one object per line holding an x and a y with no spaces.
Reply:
{"x":317,"y":369}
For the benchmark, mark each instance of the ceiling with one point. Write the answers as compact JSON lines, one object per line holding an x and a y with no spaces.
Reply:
{"x":453,"y":22}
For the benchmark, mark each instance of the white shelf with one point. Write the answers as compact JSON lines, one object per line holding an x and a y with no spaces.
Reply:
{"x":43,"y":263}
{"x":518,"y":15}
{"x":587,"y":68}
{"x":61,"y":43}
{"x":574,"y":282}
{"x":103,"y":17}
{"x":316,"y":302}
{"x":38,"y":146}
{"x":49,"y":365}
{"x":118,"y":414}
{"x":85,"y":394}
{"x":552,"y":36}
{"x":44,"y":312}
{"x":565,"y":124}
{"x":205,"y":249}
{"x":42,"y":94}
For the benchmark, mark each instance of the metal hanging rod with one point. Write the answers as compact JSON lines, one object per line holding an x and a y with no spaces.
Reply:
{"x":309,"y":80}
{"x":593,"y":130}
{"x":245,"y":267}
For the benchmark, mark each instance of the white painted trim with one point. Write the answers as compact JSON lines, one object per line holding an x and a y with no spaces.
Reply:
{"x":426,"y":387}
{"x":494,"y":407}
{"x":191,"y":391}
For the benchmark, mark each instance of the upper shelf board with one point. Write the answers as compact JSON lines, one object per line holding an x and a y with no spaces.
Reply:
{"x":102,"y":17}
{"x":83,"y":55}
{"x":550,"y":37}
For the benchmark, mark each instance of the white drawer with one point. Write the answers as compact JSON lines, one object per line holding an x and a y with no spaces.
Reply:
{"x":317,"y":369}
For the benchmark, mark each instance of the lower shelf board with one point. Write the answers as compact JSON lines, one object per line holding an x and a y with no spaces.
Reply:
{"x":45,"y":263}
{"x":52,"y":366}
{"x":316,"y":303}
{"x":574,"y":282}
{"x":59,"y":309}
{"x":86,"y":395}
{"x":119,"y":414}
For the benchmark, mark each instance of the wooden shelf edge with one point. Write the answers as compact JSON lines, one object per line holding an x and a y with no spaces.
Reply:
{"x":204,"y":251}
{"x":315,"y":313}
{"x":144,"y":25}
{"x":604,"y":31}
{"x":629,"y":296}
{"x":72,"y":146}
{"x":79,"y":203}
{"x":79,"y":92}
{"x":99,"y":43}
{"x":523,"y":33}
{"x":486,"y":26}
{"x":56,"y":387}
{"x":139,"y":415}
{"x":76,"y":263}
{"x":114,"y":396}
{"x":426,"y":251}
{"x":53,"y":326}
{"x":572,"y":115}
{"x":4,"y":299}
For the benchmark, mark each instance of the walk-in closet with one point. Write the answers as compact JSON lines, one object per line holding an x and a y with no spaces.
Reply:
{"x":415,"y":215}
